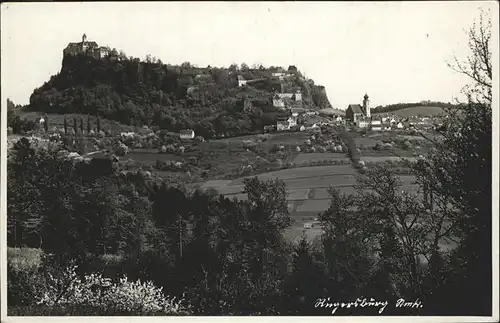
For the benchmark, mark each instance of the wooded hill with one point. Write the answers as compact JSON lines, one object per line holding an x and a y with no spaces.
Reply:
{"x":136,"y":92}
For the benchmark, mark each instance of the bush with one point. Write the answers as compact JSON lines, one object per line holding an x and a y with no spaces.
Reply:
{"x":248,"y":144}
{"x":121,"y":150}
{"x":95,"y":294}
{"x":24,"y":281}
{"x":264,"y":137}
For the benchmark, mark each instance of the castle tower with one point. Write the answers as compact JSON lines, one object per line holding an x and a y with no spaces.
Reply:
{"x":84,"y":46}
{"x":366,"y":105}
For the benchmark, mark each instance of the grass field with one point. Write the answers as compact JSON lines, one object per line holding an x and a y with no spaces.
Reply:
{"x":273,"y":138}
{"x":312,"y":157}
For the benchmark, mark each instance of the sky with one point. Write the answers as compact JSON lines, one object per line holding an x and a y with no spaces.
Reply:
{"x":393,"y":51}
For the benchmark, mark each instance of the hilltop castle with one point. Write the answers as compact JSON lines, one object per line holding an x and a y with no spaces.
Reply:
{"x":89,"y":48}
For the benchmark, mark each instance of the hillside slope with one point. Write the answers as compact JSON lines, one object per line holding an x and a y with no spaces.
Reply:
{"x":207,"y":100}
{"x":420,"y":111}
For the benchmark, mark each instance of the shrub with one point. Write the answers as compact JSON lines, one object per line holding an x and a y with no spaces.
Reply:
{"x":99,"y":295}
{"x":264,"y":137}
{"x":24,"y":281}
{"x":121,"y":150}
{"x":248,"y":144}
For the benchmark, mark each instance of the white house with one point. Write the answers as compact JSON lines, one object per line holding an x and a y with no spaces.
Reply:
{"x":298,"y":96}
{"x":241,"y":81}
{"x":187,"y":134}
{"x":278,"y":103}
{"x":362,"y":122}
{"x":279,"y":74}
{"x":282,"y":125}
{"x":400,"y":125}
{"x":285,"y":95}
{"x":286,"y":124}
{"x":376,"y":125}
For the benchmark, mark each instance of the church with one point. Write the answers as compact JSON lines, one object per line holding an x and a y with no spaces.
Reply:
{"x":360,"y":115}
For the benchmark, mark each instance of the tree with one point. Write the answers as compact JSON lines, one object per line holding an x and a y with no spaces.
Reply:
{"x":65,"y":126}
{"x":478,"y":65}
{"x":81,"y":125}
{"x":233,"y":67}
{"x":11,"y":114}
{"x":75,"y":126}
{"x":98,"y":124}
{"x":305,"y":284}
{"x":88,"y":124}
{"x":46,"y":124}
{"x":244,"y":67}
{"x":461,"y":170}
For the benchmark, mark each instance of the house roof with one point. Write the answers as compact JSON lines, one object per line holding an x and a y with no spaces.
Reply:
{"x":187,"y":132}
{"x":298,"y":110}
{"x":284,"y":123}
{"x":356,"y":108}
{"x":91,"y":44}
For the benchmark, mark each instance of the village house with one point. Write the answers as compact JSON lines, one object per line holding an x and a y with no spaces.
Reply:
{"x":187,"y":134}
{"x":86,"y":47}
{"x":376,"y":124}
{"x":363,"y":122}
{"x":298,"y":96}
{"x":241,"y":81}
{"x":279,"y":74}
{"x":278,"y":102}
{"x":282,"y":125}
{"x":297,"y":111}
{"x":285,"y":123}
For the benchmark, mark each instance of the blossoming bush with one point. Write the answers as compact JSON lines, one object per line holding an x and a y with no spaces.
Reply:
{"x":100,"y":295}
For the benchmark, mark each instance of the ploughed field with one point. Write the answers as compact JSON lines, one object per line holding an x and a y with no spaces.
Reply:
{"x":307,"y":189}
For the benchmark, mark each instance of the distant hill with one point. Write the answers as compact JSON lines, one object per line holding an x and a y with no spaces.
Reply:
{"x":415,"y":109}
{"x":421,"y":111}
{"x":137,"y":93}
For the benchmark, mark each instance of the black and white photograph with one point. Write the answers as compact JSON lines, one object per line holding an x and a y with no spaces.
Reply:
{"x":314,"y":160}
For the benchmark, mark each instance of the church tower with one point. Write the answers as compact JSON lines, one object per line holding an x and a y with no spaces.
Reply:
{"x":84,"y":38}
{"x":366,"y":105}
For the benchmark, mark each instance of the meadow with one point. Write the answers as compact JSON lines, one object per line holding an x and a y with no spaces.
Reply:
{"x":307,"y":189}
